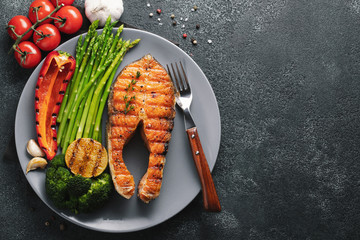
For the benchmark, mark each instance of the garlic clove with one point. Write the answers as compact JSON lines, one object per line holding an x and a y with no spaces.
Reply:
{"x":36,"y":162}
{"x":33,"y":149}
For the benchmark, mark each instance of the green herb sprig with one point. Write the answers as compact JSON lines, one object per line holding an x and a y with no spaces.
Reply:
{"x":131,"y":85}
{"x":128,"y":100}
{"x":128,"y":107}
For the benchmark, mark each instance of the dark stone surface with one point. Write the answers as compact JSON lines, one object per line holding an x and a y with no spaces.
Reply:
{"x":286,"y":76}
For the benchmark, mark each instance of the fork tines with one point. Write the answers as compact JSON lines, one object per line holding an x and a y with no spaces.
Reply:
{"x":180,"y":80}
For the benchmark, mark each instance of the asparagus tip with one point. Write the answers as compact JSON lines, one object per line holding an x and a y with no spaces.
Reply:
{"x":113,"y":24}
{"x":94,"y":24}
{"x":133,"y":43}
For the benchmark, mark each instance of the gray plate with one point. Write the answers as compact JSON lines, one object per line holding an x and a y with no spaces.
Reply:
{"x":180,"y":183}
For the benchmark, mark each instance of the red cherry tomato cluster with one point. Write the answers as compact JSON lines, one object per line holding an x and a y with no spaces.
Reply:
{"x":46,"y":36}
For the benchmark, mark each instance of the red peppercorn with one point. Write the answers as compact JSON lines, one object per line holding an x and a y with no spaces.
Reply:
{"x":184,"y":35}
{"x":158,"y":10}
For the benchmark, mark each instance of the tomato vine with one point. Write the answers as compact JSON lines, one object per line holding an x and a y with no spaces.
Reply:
{"x":14,"y":47}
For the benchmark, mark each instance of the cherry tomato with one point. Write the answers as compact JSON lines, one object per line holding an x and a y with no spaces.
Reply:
{"x":50,"y":38}
{"x":65,"y":2}
{"x":20,"y":24}
{"x":44,"y":8}
{"x":31,"y":54}
{"x":70,"y":19}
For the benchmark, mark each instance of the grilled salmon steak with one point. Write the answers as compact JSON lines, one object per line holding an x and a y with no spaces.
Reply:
{"x":142,"y":95}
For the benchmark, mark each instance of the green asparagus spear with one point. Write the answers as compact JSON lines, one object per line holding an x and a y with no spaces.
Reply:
{"x":89,"y":67}
{"x":80,"y":50}
{"x":99,"y":88}
{"x":82,"y":68}
{"x":82,"y":94}
{"x":79,"y":59}
{"x":68,"y":89}
{"x":74,"y":94}
{"x":105,"y":95}
{"x":81,"y":126}
{"x":98,"y":59}
{"x":77,"y":121}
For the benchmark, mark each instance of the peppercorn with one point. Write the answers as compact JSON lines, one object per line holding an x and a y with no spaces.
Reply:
{"x":197,"y":26}
{"x":158,"y":10}
{"x":184,"y":35}
{"x":47,"y":223}
{"x":62,"y":226}
{"x":172,"y":16}
{"x":194,"y":42}
{"x":174,"y":23}
{"x":195,"y":8}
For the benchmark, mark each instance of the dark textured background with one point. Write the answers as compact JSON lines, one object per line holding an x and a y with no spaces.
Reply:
{"x":286,"y":77}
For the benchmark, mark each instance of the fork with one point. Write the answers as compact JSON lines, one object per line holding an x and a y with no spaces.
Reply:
{"x":183,"y":99}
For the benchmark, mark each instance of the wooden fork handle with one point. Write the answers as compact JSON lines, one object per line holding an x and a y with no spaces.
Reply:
{"x":210,"y":197}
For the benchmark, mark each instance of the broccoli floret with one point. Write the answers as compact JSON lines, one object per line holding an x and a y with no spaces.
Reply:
{"x":56,"y":185}
{"x":72,"y":204}
{"x":99,"y":192}
{"x":78,"y":185}
{"x":58,"y":161}
{"x":75,"y":193}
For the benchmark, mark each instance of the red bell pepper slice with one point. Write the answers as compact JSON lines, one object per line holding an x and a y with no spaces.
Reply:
{"x":53,"y":79}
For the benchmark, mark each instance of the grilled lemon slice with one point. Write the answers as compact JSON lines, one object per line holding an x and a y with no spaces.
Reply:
{"x":86,"y":157}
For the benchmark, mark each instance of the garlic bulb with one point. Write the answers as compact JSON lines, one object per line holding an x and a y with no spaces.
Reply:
{"x":35,"y":163}
{"x":33,"y":149}
{"x":102,"y":9}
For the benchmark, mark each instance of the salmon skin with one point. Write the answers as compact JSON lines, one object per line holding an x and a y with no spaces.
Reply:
{"x":142,"y":95}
